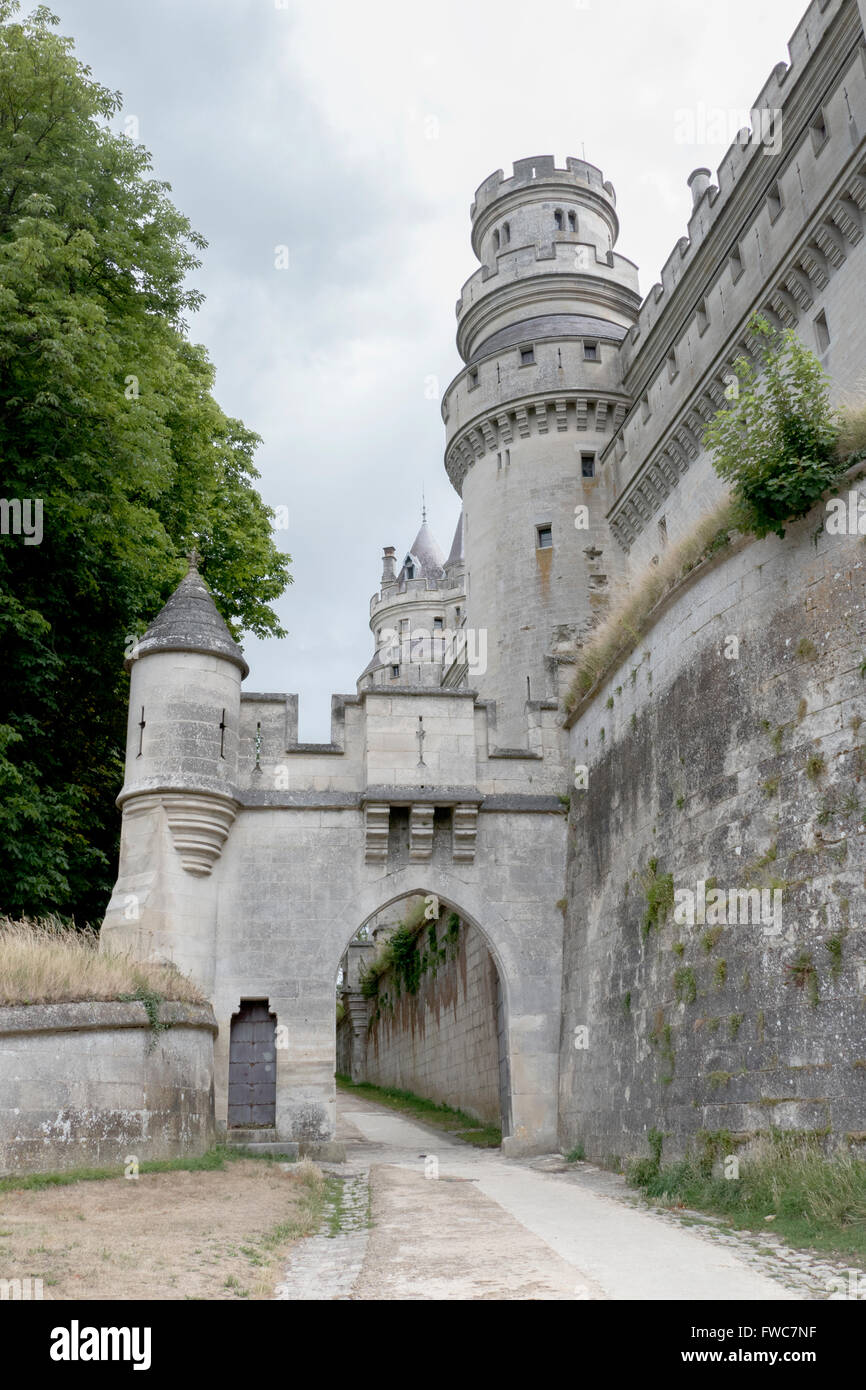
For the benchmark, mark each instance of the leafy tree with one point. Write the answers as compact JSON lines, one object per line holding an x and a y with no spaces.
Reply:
{"x":107,"y":416}
{"x":776,"y":443}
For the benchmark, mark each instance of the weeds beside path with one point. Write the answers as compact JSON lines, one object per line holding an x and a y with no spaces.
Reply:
{"x":428,"y":1112}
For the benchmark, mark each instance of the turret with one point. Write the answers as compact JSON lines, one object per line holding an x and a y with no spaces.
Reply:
{"x":413,"y":617}
{"x":181,"y":768}
{"x":539,"y":329}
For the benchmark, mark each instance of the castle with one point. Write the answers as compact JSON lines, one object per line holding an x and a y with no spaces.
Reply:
{"x":574,"y":438}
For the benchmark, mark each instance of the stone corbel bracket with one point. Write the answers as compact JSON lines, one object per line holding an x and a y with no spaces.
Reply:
{"x":199,"y":823}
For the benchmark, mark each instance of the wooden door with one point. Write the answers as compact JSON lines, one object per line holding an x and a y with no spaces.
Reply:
{"x":252,"y":1066}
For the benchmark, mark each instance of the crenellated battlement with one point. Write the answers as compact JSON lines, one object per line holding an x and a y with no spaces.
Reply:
{"x":540,"y":171}
{"x":779,"y":235}
{"x":779,"y":126}
{"x":375,"y":741}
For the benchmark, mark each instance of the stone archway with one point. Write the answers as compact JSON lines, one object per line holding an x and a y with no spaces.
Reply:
{"x":438,"y":1027}
{"x":531,"y":998}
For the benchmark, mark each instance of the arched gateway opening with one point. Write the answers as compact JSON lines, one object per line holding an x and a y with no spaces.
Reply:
{"x":421,"y":1006}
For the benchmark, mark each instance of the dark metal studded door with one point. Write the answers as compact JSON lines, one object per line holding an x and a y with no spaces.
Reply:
{"x":252,"y":1066}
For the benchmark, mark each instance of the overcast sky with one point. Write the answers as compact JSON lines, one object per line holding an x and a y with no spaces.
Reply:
{"x":355,"y":135}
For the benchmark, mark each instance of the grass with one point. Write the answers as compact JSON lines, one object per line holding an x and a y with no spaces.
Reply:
{"x":620,"y":631}
{"x":214,"y":1160}
{"x":49,"y":962}
{"x":816,"y":1202}
{"x":456,"y":1122}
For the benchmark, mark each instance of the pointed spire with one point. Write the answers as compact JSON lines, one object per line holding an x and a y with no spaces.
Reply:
{"x":425,"y":555}
{"x":455,"y":556}
{"x":190,"y":622}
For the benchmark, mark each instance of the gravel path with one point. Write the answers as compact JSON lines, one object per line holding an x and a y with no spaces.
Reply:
{"x":423,"y":1216}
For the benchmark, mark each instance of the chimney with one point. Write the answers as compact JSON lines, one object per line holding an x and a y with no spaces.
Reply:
{"x":699,"y":182}
{"x":388,"y":571}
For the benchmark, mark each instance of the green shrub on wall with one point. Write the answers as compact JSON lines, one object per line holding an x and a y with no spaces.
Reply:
{"x":777,"y":443}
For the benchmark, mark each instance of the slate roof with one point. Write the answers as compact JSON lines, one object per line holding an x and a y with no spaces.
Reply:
{"x":189,"y":622}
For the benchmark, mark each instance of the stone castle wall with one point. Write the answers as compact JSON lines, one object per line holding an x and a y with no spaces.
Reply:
{"x":746,"y":770}
{"x":91,"y":1085}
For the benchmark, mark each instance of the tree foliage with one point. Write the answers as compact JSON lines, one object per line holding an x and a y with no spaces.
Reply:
{"x":776,"y":443}
{"x":107,"y":416}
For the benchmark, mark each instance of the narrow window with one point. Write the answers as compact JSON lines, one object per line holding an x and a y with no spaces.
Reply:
{"x":506,"y":233}
{"x":410,"y":568}
{"x":645,"y":407}
{"x":507,"y":462}
{"x":736,"y":264}
{"x":544,"y":538}
{"x":527,"y":356}
{"x":702,"y":317}
{"x":473,"y":378}
{"x":590,"y":352}
{"x":663,"y":532}
{"x":557,"y":218}
{"x":673,"y":369}
{"x":572,"y":221}
{"x":395,"y":671}
{"x":822,"y":332}
{"x":820,"y":133}
{"x":587,"y":465}
{"x":774,"y":201}
{"x":496,"y":241}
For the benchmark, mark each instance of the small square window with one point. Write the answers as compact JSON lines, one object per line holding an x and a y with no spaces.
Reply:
{"x":822,"y":332}
{"x":395,"y":671}
{"x":587,"y":465}
{"x":527,"y":356}
{"x":590,"y":352}
{"x":472,"y":378}
{"x":544,"y":538}
{"x":438,"y":624}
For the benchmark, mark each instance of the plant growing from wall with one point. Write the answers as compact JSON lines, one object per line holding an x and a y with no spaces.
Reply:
{"x":685,"y":985}
{"x":803,"y":974}
{"x":659,"y":891}
{"x":777,"y":442}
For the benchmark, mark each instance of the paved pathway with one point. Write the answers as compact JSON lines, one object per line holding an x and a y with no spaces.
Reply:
{"x":489,"y":1228}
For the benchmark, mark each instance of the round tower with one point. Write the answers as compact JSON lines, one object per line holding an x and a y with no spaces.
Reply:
{"x":177,"y":798}
{"x":415,"y":614}
{"x":539,"y":328}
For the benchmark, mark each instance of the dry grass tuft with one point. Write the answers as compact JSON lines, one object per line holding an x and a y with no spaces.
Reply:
{"x":851,"y":443}
{"x":48,"y":962}
{"x":621,"y":628}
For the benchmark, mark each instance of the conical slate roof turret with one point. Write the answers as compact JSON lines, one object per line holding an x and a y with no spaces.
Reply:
{"x":425,"y":555}
{"x":189,"y":622}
